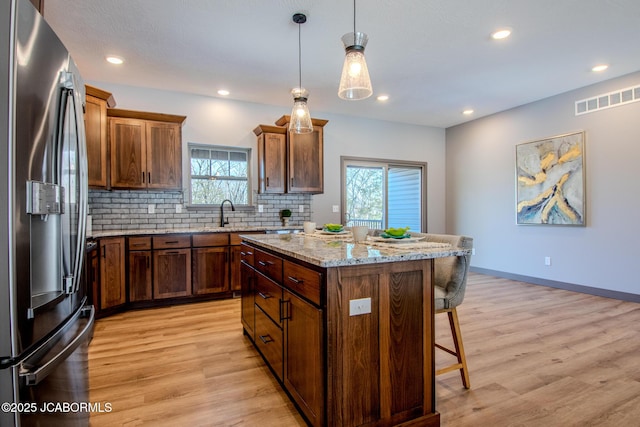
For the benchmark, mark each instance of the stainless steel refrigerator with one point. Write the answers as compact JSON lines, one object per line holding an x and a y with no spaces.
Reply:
{"x":45,"y":325}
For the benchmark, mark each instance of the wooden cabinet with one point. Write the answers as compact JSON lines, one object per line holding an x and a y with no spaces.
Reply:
{"x":288,"y":329}
{"x":95,"y":121}
{"x":247,"y":281}
{"x":146,"y":149}
{"x":171,"y":266}
{"x":343,"y":368}
{"x":112,"y":277}
{"x":305,"y":158}
{"x":210,"y":257}
{"x":289,"y":162}
{"x":272,"y":158}
{"x":140,"y":279}
{"x":303,"y":344}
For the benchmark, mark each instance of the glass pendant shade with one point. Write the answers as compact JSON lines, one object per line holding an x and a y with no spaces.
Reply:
{"x":300,"y":121}
{"x":355,"y":83}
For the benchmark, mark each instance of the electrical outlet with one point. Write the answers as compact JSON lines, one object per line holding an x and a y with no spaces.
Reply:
{"x":301,"y":208}
{"x":336,"y":208}
{"x":178,"y":208}
{"x":473,"y":251}
{"x":260,"y":208}
{"x":359,"y":306}
{"x":547,"y":260}
{"x":151,"y":209}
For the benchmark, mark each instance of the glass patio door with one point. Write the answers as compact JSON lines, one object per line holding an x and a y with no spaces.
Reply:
{"x":382,"y":194}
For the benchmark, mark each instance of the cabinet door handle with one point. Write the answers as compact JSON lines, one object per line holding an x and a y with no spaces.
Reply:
{"x":296,"y":281}
{"x":148,"y":258}
{"x":266,"y":339}
{"x":292,"y":181}
{"x":170,"y":242}
{"x":267,"y":181}
{"x":149,"y":177}
{"x":284,"y":310}
{"x":143,"y":178}
{"x":172,"y":253}
{"x":104,"y":252}
{"x":265,"y":296}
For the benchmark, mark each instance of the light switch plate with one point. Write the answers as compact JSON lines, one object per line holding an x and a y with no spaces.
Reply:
{"x":359,"y":306}
{"x":260,"y":208}
{"x":336,"y":208}
{"x":178,"y":208}
{"x":151,"y":209}
{"x":301,"y":208}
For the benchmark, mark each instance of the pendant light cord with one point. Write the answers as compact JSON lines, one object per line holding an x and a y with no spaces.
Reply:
{"x":299,"y":59}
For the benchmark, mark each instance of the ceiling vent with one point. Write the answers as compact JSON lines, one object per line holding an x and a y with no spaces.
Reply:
{"x":608,"y":100}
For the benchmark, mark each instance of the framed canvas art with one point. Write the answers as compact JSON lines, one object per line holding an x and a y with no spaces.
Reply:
{"x":550,"y":184}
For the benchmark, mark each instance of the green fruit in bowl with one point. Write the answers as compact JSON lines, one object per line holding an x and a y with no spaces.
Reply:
{"x":333,"y":227}
{"x":396,"y":232}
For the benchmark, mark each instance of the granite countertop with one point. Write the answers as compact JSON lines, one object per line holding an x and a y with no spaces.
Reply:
{"x":227,"y":229}
{"x":327,"y":252}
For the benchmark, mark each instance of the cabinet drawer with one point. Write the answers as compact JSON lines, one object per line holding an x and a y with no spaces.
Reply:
{"x":171,"y":242}
{"x":210,"y":239}
{"x":269,"y":341}
{"x":139,"y":243}
{"x":303,"y":281}
{"x":246,"y":254}
{"x":268,"y":264}
{"x":268,"y":297}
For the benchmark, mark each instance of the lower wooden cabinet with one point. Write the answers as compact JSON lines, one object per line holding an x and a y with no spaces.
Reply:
{"x":140,"y":279}
{"x":303,"y":356}
{"x":112,"y":277}
{"x":248,"y":317}
{"x":269,"y":341}
{"x":171,"y":273}
{"x":210,"y":270}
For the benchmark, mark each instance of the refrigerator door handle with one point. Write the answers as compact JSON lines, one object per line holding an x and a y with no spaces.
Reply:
{"x":34,"y":377}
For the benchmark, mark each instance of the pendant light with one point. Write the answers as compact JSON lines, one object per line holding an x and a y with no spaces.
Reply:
{"x":300,"y":121}
{"x":355,"y":83}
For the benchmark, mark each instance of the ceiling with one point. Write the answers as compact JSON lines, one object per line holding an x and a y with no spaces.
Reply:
{"x":434,"y":58}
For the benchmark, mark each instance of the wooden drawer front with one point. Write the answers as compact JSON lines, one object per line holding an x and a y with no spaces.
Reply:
{"x":246,"y":254}
{"x":269,"y":341}
{"x":210,"y":239}
{"x":268,"y":264}
{"x":268,"y":297}
{"x":171,"y":242}
{"x":302,"y":281}
{"x":139,"y":243}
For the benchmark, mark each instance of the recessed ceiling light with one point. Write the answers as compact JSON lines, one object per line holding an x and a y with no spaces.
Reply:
{"x":600,"y":67}
{"x":500,"y":34}
{"x":383,"y":98}
{"x":114,"y":60}
{"x":223,"y":92}
{"x":467,"y":112}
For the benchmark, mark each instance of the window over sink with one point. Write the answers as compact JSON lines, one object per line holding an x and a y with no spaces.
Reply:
{"x":219,"y":173}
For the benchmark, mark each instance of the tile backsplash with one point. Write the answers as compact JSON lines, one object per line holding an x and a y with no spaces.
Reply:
{"x":129,"y":210}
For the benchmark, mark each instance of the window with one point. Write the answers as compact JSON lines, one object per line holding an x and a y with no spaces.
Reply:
{"x":382,"y":194}
{"x":219,"y":173}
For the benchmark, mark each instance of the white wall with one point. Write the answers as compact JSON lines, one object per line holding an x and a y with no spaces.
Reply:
{"x":231,"y":123}
{"x":481,"y":192}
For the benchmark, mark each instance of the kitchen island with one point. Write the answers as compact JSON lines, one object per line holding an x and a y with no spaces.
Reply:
{"x":346,"y":328}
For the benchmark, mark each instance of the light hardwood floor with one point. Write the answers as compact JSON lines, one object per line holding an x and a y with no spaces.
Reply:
{"x":537,"y":357}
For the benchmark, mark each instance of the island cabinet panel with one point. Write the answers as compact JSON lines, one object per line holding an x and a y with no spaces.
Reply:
{"x":247,"y":279}
{"x":380,"y":365}
{"x":269,"y":297}
{"x":303,"y":357}
{"x":268,"y":264}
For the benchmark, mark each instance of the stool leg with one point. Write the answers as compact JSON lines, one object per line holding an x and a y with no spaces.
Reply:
{"x":457,"y":340}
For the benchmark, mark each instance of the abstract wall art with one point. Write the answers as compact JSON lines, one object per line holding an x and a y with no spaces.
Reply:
{"x":550,"y":184}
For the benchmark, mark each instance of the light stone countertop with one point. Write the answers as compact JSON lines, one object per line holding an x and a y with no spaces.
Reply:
{"x":227,"y":229}
{"x":342,"y":252}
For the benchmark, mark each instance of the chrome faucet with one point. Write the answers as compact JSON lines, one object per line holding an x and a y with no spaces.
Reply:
{"x":222,"y":221}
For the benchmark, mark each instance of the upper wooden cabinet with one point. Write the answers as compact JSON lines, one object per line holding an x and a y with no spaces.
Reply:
{"x":305,"y":160}
{"x":289,"y":162}
{"x":95,"y":121}
{"x":272,"y":158}
{"x":146,"y":149}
